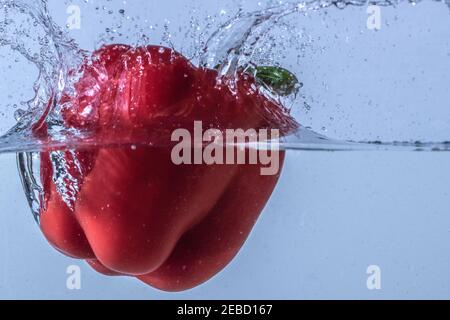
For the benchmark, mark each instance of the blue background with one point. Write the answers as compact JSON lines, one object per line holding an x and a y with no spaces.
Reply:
{"x":333,"y":213}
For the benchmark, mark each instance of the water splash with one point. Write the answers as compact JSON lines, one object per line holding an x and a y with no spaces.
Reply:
{"x":234,"y":45}
{"x":27,"y":28}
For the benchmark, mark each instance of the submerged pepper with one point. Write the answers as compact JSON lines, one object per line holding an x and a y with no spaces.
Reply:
{"x":132,"y":211}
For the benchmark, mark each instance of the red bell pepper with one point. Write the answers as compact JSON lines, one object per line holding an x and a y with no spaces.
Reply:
{"x":129,"y":210}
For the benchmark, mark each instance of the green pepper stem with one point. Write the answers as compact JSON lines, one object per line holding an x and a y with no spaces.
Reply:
{"x":277,"y":80}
